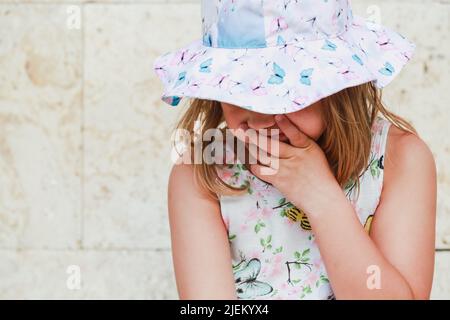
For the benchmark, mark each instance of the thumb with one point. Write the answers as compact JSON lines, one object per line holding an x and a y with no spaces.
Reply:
{"x":262,"y":172}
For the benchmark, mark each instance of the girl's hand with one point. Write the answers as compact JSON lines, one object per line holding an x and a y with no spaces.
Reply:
{"x":299,"y":170}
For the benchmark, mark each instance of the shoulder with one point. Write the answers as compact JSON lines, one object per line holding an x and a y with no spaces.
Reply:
{"x":407,"y":152}
{"x":188,"y":203}
{"x":409,"y":165}
{"x":183,"y":184}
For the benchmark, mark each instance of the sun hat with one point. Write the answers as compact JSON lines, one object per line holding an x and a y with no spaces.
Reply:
{"x":280,"y":56}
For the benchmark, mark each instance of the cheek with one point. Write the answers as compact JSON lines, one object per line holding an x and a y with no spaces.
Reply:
{"x":310,"y":122}
{"x":233,"y":117}
{"x":232,"y":121}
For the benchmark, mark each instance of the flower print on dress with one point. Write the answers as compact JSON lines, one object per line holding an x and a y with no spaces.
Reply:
{"x":298,"y":266}
{"x":266,"y":243}
{"x":374,"y":167}
{"x":275,"y":267}
{"x":266,"y":212}
{"x":312,"y":279}
{"x":289,"y":255}
{"x":234,"y":175}
{"x":244,"y":227}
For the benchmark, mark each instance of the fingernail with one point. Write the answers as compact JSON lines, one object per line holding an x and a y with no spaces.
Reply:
{"x":278,"y":117}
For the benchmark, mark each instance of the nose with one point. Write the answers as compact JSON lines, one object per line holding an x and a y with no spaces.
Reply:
{"x":261,"y":121}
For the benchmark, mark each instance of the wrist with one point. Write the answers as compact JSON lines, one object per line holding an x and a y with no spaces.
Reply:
{"x":332,"y":201}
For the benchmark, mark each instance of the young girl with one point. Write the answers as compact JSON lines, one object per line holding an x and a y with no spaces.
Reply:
{"x":348,"y":212}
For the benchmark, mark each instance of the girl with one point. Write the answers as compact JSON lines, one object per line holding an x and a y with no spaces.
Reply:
{"x":348,"y":212}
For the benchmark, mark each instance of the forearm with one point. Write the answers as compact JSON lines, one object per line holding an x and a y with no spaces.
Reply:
{"x":351,"y":257}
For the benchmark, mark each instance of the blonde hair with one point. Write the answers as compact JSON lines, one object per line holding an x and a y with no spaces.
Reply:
{"x":346,"y":141}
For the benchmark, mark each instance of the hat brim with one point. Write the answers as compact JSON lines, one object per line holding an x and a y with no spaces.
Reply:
{"x":285,"y":78}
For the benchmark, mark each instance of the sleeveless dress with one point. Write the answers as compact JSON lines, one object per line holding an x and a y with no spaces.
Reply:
{"x":274,"y":253}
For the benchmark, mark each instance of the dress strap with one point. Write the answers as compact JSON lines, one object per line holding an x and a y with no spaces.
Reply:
{"x":373,"y":178}
{"x":380,"y":130}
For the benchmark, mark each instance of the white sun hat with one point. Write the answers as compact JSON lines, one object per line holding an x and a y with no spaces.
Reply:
{"x":280,"y":56}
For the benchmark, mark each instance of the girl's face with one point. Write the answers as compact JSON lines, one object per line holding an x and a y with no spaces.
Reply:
{"x":309,"y":120}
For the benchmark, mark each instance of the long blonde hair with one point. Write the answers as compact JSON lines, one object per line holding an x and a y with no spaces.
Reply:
{"x":346,"y":141}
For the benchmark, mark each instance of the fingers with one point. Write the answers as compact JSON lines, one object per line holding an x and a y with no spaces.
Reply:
{"x":273,"y":147}
{"x":296,"y":137}
{"x":262,"y":157}
{"x":262,"y":172}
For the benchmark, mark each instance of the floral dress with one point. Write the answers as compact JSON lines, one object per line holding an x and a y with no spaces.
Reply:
{"x":274,"y":251}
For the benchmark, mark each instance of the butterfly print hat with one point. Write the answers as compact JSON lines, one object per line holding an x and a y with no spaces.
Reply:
{"x":280,"y":56}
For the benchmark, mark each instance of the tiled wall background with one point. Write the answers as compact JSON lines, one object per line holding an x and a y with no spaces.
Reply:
{"x":84,"y":155}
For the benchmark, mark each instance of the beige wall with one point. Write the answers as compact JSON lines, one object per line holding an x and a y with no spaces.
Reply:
{"x":84,"y":157}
